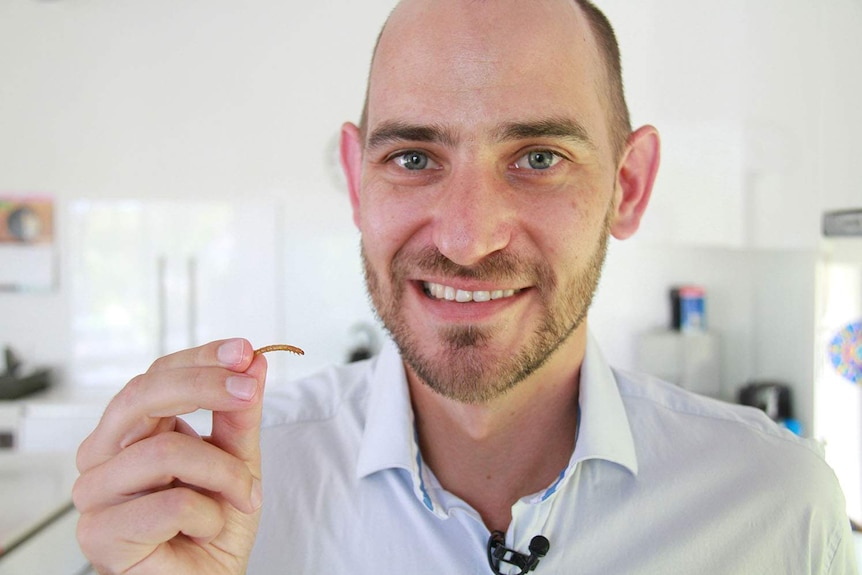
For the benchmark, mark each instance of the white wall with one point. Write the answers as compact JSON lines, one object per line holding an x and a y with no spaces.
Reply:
{"x":201,"y":99}
{"x":840,"y":113}
{"x":243,"y":101}
{"x":157,"y":98}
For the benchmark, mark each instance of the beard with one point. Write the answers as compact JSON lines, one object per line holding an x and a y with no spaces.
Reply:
{"x":465,"y":367}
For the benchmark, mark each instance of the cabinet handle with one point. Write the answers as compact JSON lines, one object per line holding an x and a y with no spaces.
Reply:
{"x":161,"y":305}
{"x":192,"y":311}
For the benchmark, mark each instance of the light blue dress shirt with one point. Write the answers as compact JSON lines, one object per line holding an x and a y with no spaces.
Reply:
{"x":661,"y":482}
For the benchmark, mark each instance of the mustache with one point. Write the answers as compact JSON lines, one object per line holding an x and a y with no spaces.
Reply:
{"x":495,"y":267}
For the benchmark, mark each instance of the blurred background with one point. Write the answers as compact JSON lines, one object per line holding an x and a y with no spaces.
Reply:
{"x":168,"y":176}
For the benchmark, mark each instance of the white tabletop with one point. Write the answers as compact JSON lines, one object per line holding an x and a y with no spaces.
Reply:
{"x":34,"y":489}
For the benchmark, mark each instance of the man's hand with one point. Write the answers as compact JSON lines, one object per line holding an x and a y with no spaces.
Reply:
{"x":155,"y":497}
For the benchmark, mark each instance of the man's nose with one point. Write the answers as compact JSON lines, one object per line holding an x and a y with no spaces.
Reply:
{"x":473,"y":217}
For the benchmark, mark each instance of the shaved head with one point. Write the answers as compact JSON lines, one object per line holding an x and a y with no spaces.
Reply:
{"x":601,"y":35}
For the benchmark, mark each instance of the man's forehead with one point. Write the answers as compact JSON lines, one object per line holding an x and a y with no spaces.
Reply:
{"x":461,"y":33}
{"x":433,"y":53}
{"x":438,"y":5}
{"x":481,"y":16}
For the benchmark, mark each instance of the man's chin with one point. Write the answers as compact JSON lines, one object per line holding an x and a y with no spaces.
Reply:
{"x":469,"y":339}
{"x":469,"y":374}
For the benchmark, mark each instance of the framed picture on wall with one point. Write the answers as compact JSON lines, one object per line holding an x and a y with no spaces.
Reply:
{"x":27,"y":246}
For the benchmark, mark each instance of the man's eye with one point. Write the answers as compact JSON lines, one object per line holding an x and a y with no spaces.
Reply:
{"x":538,"y":160}
{"x":413,"y":160}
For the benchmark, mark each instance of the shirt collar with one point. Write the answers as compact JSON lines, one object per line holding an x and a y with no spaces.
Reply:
{"x":389,"y":439}
{"x":604,"y":430}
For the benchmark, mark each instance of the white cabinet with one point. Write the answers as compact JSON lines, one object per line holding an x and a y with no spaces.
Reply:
{"x":840,"y":81}
{"x":783,"y":121}
{"x":148,"y":278}
{"x":56,"y":427}
{"x":756,"y":104}
{"x":58,"y":423}
{"x":10,"y":414}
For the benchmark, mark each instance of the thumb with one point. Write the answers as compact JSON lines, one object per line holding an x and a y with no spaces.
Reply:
{"x":238,"y":432}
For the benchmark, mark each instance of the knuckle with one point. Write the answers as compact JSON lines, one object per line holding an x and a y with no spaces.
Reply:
{"x":82,"y":456}
{"x":159,"y":364}
{"x":87,"y":533}
{"x":181,"y":501}
{"x":128,"y":396}
{"x":79,"y":493}
{"x":161,"y":447}
{"x":236,"y":472}
{"x":239,"y":472}
{"x":135,"y":385}
{"x":92,"y":539}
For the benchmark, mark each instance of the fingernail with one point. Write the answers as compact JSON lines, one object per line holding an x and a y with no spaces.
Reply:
{"x":230,"y":352}
{"x":256,"y":494}
{"x":241,"y":386}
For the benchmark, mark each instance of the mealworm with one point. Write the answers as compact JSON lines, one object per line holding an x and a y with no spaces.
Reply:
{"x":279,"y":347}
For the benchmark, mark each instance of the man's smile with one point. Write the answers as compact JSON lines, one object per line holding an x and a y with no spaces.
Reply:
{"x":449,"y":293}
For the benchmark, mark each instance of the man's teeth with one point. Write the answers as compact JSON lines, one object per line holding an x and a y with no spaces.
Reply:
{"x":449,"y":293}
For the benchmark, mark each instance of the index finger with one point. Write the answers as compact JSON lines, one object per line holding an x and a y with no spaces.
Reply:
{"x":174,"y":386}
{"x":234,"y":354}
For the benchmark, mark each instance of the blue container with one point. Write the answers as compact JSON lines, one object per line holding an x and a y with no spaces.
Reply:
{"x":689,"y":309}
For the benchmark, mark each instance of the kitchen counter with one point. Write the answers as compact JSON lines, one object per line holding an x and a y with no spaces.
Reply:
{"x":34,"y":490}
{"x":37,"y":523}
{"x":54,"y":420}
{"x":59,"y":419}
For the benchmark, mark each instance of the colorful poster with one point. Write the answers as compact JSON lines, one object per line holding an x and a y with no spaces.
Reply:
{"x":845,"y":352}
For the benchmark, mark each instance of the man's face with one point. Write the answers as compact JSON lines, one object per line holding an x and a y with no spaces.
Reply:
{"x":487,"y":187}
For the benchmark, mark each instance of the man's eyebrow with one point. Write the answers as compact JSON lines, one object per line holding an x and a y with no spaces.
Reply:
{"x":391,"y":132}
{"x":566,"y":128}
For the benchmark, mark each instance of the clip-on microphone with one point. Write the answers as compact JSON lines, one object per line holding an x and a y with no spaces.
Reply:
{"x":498,"y":552}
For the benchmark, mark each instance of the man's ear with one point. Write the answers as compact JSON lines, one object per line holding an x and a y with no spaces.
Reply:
{"x":350,"y":150}
{"x":635,"y":177}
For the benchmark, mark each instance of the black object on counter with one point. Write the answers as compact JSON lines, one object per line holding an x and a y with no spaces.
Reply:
{"x":366,"y":342}
{"x":773,"y":398}
{"x":847,"y":223}
{"x":13,"y":364}
{"x":15,"y":386}
{"x":12,"y":387}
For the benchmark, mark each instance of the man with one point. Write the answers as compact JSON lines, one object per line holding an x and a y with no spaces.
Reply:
{"x":493,"y":161}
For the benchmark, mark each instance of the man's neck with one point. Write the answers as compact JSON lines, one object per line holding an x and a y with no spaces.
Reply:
{"x":493,"y":454}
